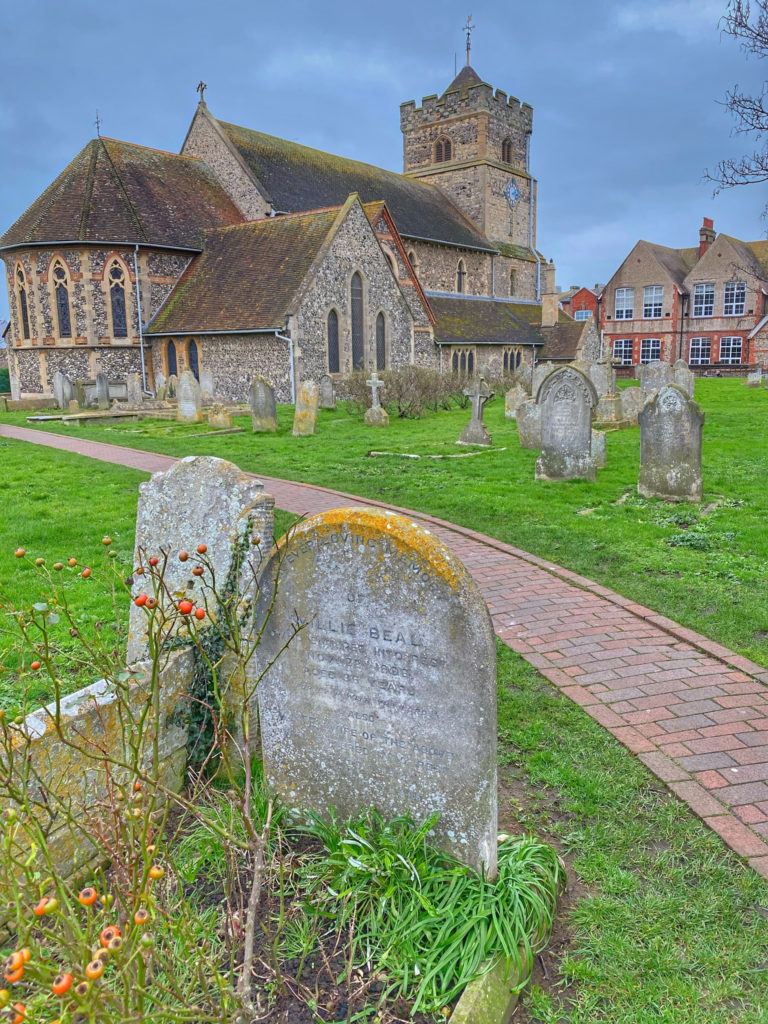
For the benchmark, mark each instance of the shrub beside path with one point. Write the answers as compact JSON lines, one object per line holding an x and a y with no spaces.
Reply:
{"x":694,"y":712}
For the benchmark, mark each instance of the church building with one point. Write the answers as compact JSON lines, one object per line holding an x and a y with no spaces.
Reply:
{"x":247,"y":254}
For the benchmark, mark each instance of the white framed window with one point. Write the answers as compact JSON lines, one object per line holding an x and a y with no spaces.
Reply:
{"x":653,"y":296}
{"x":624,"y":304}
{"x":700,"y":351}
{"x":622,"y":351}
{"x":734,"y":298}
{"x":582,"y":314}
{"x":730,"y":350}
{"x":650,"y":350}
{"x":704,"y":299}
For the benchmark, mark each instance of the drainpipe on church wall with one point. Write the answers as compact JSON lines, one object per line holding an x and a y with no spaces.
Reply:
{"x":141,"y":326}
{"x":289,"y":339}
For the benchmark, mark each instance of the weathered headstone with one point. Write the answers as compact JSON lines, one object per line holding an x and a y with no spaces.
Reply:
{"x":327,"y":392}
{"x":632,"y":401}
{"x":261,"y":399}
{"x":603,"y":376}
{"x":540,"y":373}
{"x":656,"y":375}
{"x":161,"y":386}
{"x":670,"y":446}
{"x":476,"y":431}
{"x":684,"y":377}
{"x":387,"y":696}
{"x":133,"y":389}
{"x":219,"y":417}
{"x":755,"y":379}
{"x":63,"y":391}
{"x":567,"y":398}
{"x":190,"y":399}
{"x":529,"y":424}
{"x":206,"y":386}
{"x":173,"y":386}
{"x":609,"y":410}
{"x":377,"y":415}
{"x":102,"y":391}
{"x":305,"y":417}
{"x":513,"y":400}
{"x":599,"y":450}
{"x":80,"y":393}
{"x":73,"y":406}
{"x":200,"y":500}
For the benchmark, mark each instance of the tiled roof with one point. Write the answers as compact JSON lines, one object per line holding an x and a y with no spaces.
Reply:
{"x":753,"y":255}
{"x":118,"y":192}
{"x":478,"y":321}
{"x":298,"y":178}
{"x":677,"y":262}
{"x":561,"y":342}
{"x":466,"y":77}
{"x":246,"y":276}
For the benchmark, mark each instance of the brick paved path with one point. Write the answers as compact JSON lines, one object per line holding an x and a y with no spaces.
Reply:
{"x":694,"y":712}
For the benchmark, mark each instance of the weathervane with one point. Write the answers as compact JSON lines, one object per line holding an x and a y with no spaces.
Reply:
{"x":98,"y":122}
{"x":468,"y":29}
{"x":201,"y":87}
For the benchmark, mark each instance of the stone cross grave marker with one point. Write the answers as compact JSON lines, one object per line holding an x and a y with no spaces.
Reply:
{"x":190,"y":399}
{"x":199,"y":500}
{"x":476,"y":431}
{"x":683,"y":377}
{"x":133,"y":389}
{"x":654,"y":376}
{"x":513,"y":399}
{"x":327,"y":392}
{"x":670,"y":446}
{"x":567,"y":399}
{"x":377,"y":415}
{"x":261,"y":399}
{"x":63,"y":390}
{"x":102,"y":391}
{"x":305,"y":417}
{"x":387,"y":696}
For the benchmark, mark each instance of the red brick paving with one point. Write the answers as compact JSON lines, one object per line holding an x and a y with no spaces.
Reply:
{"x":694,"y":712}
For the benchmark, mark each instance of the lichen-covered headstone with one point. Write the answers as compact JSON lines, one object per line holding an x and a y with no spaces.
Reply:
{"x":161,"y":386}
{"x":599,"y":450}
{"x":540,"y":373}
{"x":632,"y":401}
{"x":199,"y":500}
{"x":206,"y":385}
{"x":327,"y":392}
{"x":377,"y":415}
{"x":219,"y":417}
{"x":133,"y":389}
{"x":609,"y":410}
{"x":102,"y":391}
{"x":189,"y":398}
{"x":63,"y":391}
{"x":684,"y":377}
{"x":529,"y":424}
{"x":305,"y":416}
{"x":80,"y":396}
{"x":476,"y":431}
{"x":387,"y":697}
{"x":567,"y":398}
{"x":670,"y":446}
{"x":656,"y":375}
{"x":173,"y":386}
{"x":261,"y":399}
{"x":513,"y":400}
{"x":73,"y":406}
{"x":603,"y":376}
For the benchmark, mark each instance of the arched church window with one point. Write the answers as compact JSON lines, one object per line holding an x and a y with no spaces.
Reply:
{"x":21,"y":290}
{"x":193,"y":358}
{"x":443,"y":150}
{"x":461,"y":275}
{"x":381,"y":343}
{"x":463,"y":362}
{"x":506,"y":151}
{"x":333,"y":342}
{"x":455,"y":362}
{"x":392,"y":262}
{"x":356,"y":296}
{"x":173,"y":366}
{"x":61,"y":288}
{"x":117,"y":300}
{"x":470,"y":362}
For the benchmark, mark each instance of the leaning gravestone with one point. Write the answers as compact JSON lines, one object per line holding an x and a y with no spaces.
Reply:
{"x":377,"y":415}
{"x":656,"y":375}
{"x":540,"y":373}
{"x":387,"y":696}
{"x":567,"y":398}
{"x":476,"y":431}
{"x":513,"y":399}
{"x":102,"y":391}
{"x":305,"y":417}
{"x":632,"y":401}
{"x":190,"y":399}
{"x":133,"y":389}
{"x":670,"y":447}
{"x":529,"y":424}
{"x":261,"y":399}
{"x":683,"y":377}
{"x":199,"y":500}
{"x":63,"y":391}
{"x":327,"y":392}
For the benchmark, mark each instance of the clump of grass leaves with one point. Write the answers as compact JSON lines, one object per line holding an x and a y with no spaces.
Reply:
{"x":425,"y":923}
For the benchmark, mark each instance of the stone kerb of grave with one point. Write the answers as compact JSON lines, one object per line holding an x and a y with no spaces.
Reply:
{"x":513,"y":399}
{"x":670,"y":447}
{"x":387,"y":696}
{"x":261,"y":399}
{"x":199,"y":500}
{"x":567,"y":399}
{"x":377,"y":415}
{"x":476,"y":431}
{"x":305,"y":416}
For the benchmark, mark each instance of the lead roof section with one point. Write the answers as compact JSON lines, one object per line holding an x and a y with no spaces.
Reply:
{"x":478,"y":321}
{"x":119,"y":192}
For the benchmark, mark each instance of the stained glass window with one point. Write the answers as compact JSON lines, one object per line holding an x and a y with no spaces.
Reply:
{"x":22,"y":286}
{"x":381,"y":347}
{"x":62,"y":300}
{"x":117,"y":301}
{"x":356,"y":291}
{"x":333,"y":342}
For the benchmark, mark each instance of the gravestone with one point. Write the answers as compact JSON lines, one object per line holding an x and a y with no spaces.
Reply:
{"x":261,"y":399}
{"x":63,"y":391}
{"x":102,"y":391}
{"x":73,"y":406}
{"x":670,"y":446}
{"x":206,"y":385}
{"x":327,"y":392}
{"x":513,"y":400}
{"x":654,"y":376}
{"x":199,"y":500}
{"x":755,"y":380}
{"x":133,"y":390}
{"x":219,"y":417}
{"x":609,"y":410}
{"x":476,"y":431}
{"x":603,"y":376}
{"x":376,"y":416}
{"x":80,"y":394}
{"x":161,"y":386}
{"x":599,"y":450}
{"x":190,"y":399}
{"x":683,"y":377}
{"x":305,"y":417}
{"x":173,"y":386}
{"x":632,"y":401}
{"x":529,"y":424}
{"x":387,"y":696}
{"x":567,"y":398}
{"x":540,"y":373}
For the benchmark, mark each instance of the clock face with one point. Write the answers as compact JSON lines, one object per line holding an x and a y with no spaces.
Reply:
{"x":512,"y":192}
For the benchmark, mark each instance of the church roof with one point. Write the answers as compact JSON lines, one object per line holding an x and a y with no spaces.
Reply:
{"x":246,"y":276}
{"x":466,"y":77}
{"x":562,"y":340}
{"x":472,"y":320}
{"x":119,"y":192}
{"x":300,"y":178}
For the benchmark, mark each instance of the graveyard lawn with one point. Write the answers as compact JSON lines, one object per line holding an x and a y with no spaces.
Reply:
{"x":705,"y":565}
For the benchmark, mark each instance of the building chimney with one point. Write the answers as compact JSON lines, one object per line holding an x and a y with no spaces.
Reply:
{"x":550,"y":305}
{"x":706,"y":235}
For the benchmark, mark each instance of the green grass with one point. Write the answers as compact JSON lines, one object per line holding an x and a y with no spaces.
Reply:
{"x":708,"y":571}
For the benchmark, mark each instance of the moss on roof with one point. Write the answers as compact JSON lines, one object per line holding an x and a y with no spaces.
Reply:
{"x":518,"y":252}
{"x":480,"y":321}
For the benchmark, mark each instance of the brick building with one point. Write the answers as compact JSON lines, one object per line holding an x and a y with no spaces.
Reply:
{"x":246,"y":253}
{"x":705,"y":304}
{"x":581,"y":303}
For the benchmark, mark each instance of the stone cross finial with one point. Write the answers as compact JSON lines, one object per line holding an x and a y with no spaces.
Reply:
{"x":375,"y":384}
{"x":201,"y":87}
{"x":468,"y":29}
{"x":478,"y":393}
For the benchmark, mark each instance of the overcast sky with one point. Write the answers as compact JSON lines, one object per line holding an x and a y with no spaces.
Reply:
{"x":627,"y":97}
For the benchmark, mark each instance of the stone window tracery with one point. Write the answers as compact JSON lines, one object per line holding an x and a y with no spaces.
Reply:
{"x":512,"y":357}
{"x":463,"y":360}
{"x":443,"y":150}
{"x":116,"y":279}
{"x":333,"y":342}
{"x":21,"y":291}
{"x":60,"y":280}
